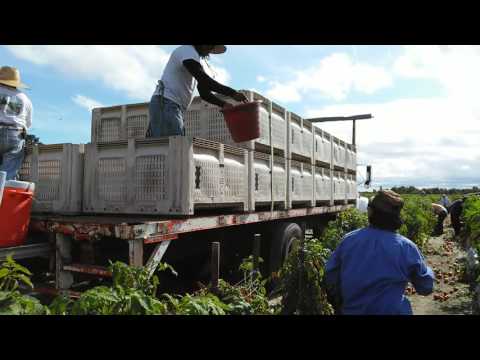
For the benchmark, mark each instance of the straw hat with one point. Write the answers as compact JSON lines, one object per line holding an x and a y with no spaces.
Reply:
{"x":387,"y":201}
{"x":218,"y":49}
{"x":10,"y":76}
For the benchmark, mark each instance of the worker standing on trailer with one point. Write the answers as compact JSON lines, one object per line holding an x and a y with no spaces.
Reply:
{"x":174,"y":92}
{"x":15,"y":119}
{"x":441,"y":213}
{"x":368,"y":272}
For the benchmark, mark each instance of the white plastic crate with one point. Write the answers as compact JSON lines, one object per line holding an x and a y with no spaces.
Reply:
{"x":300,"y":183}
{"x":171,"y":176}
{"x":339,"y":186}
{"x":299,"y":138}
{"x":339,"y":153}
{"x":322,"y":146}
{"x":323,"y":184}
{"x":57,"y":171}
{"x":117,"y":123}
{"x":307,"y":140}
{"x":206,"y":121}
{"x":294,"y":135}
{"x":261,"y":181}
{"x":351,"y":187}
{"x":351,"y":158}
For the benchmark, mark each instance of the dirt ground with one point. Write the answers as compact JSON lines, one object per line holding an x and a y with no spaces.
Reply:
{"x":450,"y":296}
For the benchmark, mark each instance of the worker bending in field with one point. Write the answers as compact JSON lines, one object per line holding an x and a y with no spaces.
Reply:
{"x":368,"y":272}
{"x":455,"y":212}
{"x":15,"y":119}
{"x":441,"y":213}
{"x":174,"y":92}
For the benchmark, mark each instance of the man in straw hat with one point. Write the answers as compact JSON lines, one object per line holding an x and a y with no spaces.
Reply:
{"x":174,"y":92}
{"x":368,"y":272}
{"x":15,"y":119}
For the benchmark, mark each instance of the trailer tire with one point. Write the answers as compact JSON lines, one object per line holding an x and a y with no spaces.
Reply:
{"x":283,"y":238}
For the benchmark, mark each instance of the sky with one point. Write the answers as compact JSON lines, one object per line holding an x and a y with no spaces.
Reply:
{"x":426,"y":126}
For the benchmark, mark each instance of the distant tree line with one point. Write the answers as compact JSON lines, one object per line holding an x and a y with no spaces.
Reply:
{"x":433,"y":191}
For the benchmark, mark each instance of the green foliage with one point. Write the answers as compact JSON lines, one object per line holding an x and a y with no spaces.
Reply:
{"x":471,"y":218}
{"x":301,"y":283}
{"x":204,"y":303}
{"x":14,"y":303}
{"x":132,"y":293}
{"x":345,"y":222}
{"x":249,"y":297}
{"x":13,"y":274}
{"x":419,"y":219}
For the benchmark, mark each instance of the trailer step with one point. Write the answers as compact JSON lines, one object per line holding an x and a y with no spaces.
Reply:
{"x":26,"y":251}
{"x":88,"y":269}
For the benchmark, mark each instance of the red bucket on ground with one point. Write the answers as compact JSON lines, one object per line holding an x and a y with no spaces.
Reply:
{"x":15,"y":213}
{"x":243,"y":121}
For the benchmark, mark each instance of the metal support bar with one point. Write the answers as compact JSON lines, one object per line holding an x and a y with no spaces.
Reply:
{"x":63,"y":279}
{"x":341,"y":118}
{"x":354,"y":136}
{"x":215,"y":270}
{"x":135,"y":252}
{"x":256,"y":251}
{"x":26,"y":252}
{"x":156,"y":257}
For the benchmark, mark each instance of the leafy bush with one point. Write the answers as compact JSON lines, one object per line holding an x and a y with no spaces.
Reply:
{"x":132,"y":293}
{"x":471,"y":218}
{"x":345,"y":222}
{"x":248,"y":297}
{"x":419,"y":220}
{"x":12,"y":302}
{"x":301,"y":282}
{"x":203,"y":303}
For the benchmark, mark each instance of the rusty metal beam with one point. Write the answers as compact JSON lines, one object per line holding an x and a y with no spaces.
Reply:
{"x":150,"y":231}
{"x":88,"y":269}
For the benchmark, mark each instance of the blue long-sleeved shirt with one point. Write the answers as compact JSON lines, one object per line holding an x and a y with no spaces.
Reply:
{"x":371,"y":268}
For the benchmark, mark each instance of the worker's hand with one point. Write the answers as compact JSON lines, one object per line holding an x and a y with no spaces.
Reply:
{"x":240,"y":97}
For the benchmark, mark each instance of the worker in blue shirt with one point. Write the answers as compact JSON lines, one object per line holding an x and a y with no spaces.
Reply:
{"x":368,"y":272}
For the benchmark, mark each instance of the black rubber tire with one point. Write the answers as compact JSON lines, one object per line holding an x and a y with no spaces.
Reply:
{"x":283,"y":238}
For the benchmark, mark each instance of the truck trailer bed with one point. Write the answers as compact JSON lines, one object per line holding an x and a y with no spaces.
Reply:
{"x":156,"y":229}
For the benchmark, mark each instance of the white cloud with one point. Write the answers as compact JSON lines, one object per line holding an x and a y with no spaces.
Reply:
{"x":86,"y":102}
{"x":334,"y":77}
{"x":217,"y":72}
{"x":283,"y":92}
{"x":261,"y":79}
{"x":454,"y":67}
{"x":413,"y":140}
{"x":133,"y":69}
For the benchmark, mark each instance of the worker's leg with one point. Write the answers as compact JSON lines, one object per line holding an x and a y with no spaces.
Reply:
{"x":456,"y":224}
{"x":11,"y":151}
{"x":442,"y":217}
{"x":166,"y":118}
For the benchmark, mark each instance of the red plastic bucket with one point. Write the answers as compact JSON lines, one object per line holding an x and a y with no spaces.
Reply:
{"x":15,"y":213}
{"x":243,"y":121}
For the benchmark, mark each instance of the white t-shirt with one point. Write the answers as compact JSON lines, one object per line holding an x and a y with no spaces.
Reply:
{"x":178,"y":82}
{"x":15,"y":108}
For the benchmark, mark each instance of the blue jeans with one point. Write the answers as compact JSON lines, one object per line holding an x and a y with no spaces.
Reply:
{"x":166,"y":118}
{"x":11,"y":151}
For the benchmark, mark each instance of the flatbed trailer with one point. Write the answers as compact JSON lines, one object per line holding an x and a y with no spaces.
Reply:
{"x":147,"y":238}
